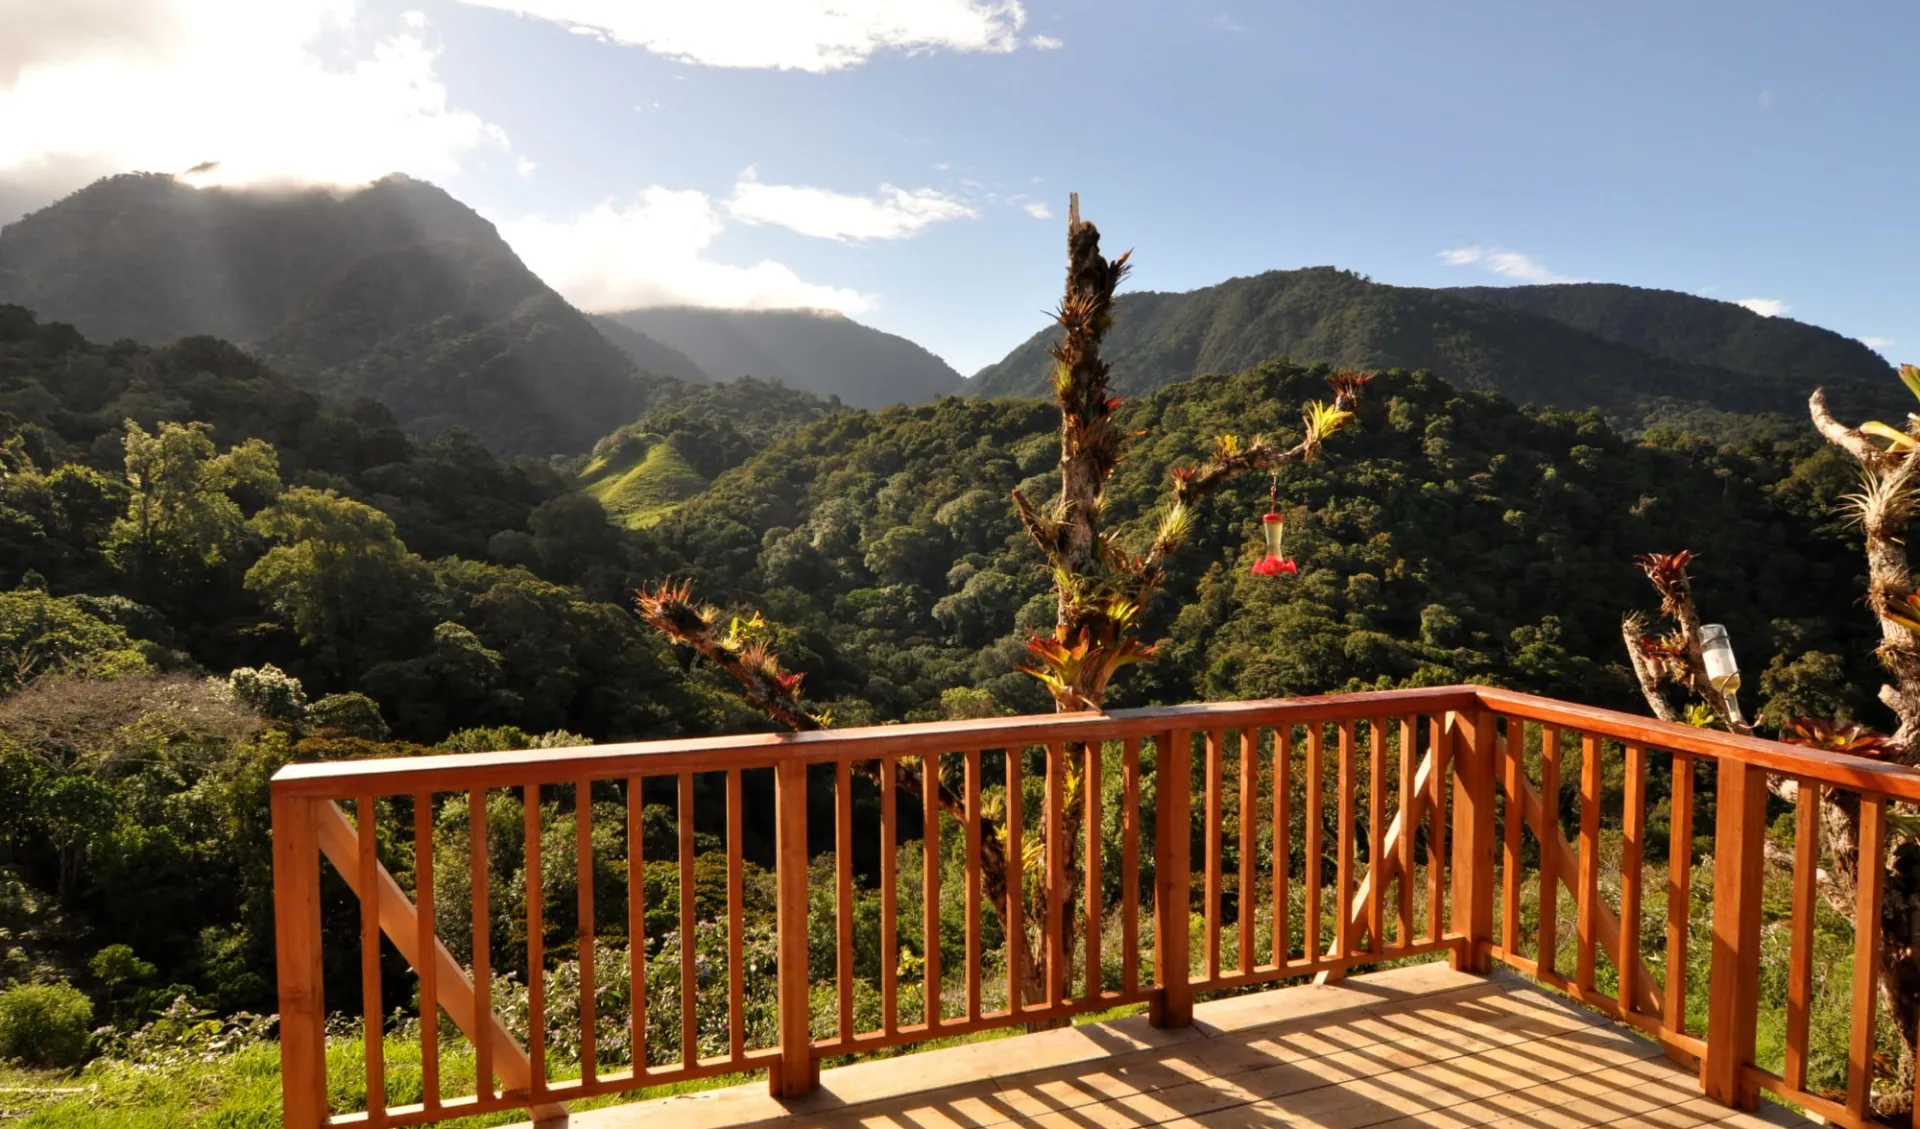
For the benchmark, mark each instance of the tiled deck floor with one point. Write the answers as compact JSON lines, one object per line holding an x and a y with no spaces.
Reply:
{"x":1421,"y":1046}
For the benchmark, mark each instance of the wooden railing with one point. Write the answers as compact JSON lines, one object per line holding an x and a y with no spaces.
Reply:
{"x":1312,"y":835}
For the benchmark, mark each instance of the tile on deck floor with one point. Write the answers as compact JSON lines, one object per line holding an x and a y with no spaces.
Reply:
{"x":1410,"y":1047}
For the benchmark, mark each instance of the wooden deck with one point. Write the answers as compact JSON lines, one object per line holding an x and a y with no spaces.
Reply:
{"x":1419,"y":1046}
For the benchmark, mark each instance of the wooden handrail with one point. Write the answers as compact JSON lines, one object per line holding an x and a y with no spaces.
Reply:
{"x":1366,"y":775}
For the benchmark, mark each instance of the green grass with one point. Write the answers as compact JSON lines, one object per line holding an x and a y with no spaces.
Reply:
{"x":640,"y":488}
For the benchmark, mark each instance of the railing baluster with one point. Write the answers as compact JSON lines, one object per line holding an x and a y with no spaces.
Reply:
{"x":1587,"y":899}
{"x":536,"y":940}
{"x":843,"y":891}
{"x":1215,"y":772}
{"x":1376,"y":836}
{"x":1054,"y":936}
{"x":1866,"y":953}
{"x":974,"y":953}
{"x":1343,"y":857}
{"x":1311,"y":945}
{"x":1806,"y":863}
{"x":1437,"y":830}
{"x":583,"y":869}
{"x":1739,"y":860}
{"x":477,"y":877}
{"x":889,"y":893}
{"x":1475,"y":783}
{"x":297,"y":944}
{"x":637,"y":925}
{"x":1130,"y":867}
{"x":1632,"y":851}
{"x":1680,"y":891}
{"x":426,"y":945}
{"x":1172,"y":1005}
{"x":372,"y":1014}
{"x":930,"y":883}
{"x":1546,"y":833}
{"x":794,"y":1071}
{"x":1512,"y":764}
{"x":689,"y":934}
{"x":1282,"y":841}
{"x":1407,"y":832}
{"x":736,"y":918}
{"x":1016,"y":878}
{"x":1248,"y":899}
{"x":1094,"y":896}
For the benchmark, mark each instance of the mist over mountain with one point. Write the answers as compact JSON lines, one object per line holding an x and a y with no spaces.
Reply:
{"x":396,"y":291}
{"x":817,"y":351}
{"x":1633,"y":355}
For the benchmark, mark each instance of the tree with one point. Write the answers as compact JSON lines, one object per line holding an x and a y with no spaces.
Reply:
{"x":339,"y":573}
{"x":181,"y":514}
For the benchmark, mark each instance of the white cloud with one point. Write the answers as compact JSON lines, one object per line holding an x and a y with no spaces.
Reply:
{"x":805,"y":35}
{"x":651,"y":251}
{"x":891,"y":213}
{"x":1876,"y":342}
{"x":1512,"y":264}
{"x":1228,"y":24}
{"x":1046,"y":43}
{"x":1038,"y":210}
{"x":1765,"y":307}
{"x":97,"y":85}
{"x":525,"y":167}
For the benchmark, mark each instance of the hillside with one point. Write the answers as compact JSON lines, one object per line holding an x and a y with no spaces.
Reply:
{"x":647,"y":354}
{"x":1687,"y":327}
{"x":397,"y":292}
{"x":821,"y":352}
{"x":1331,"y":316}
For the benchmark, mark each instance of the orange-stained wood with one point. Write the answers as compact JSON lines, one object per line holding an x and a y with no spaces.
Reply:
{"x":889,"y":893}
{"x":1130,"y":867}
{"x":425,"y":942}
{"x":1377,"y":835}
{"x":930,"y":884}
{"x":974,"y":952}
{"x":1246,"y":896}
{"x":536,"y":940}
{"x":1216,"y":785}
{"x":1015,"y":916}
{"x":1095,"y":896}
{"x":793,"y":1071}
{"x":1587,"y":894}
{"x":583,"y":880}
{"x":1282,"y":842}
{"x":1632,"y":853}
{"x":636,"y":924}
{"x":296,"y":922}
{"x":1866,"y":954}
{"x":1409,"y":814}
{"x":1437,"y":782}
{"x":689,"y":980}
{"x":1313,"y":944}
{"x":1733,"y":1004}
{"x":736,"y":917}
{"x":372,"y":1013}
{"x":843,"y":891}
{"x":1806,"y":862}
{"x":478,"y":876}
{"x":1546,"y":832}
{"x":1680,"y":891}
{"x":1054,"y":943}
{"x":1474,"y":785}
{"x":1513,"y":751}
{"x":1172,"y":1005}
{"x":1343,"y":851}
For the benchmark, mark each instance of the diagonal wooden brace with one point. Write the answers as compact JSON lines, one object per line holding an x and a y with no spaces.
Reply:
{"x":400,"y":921}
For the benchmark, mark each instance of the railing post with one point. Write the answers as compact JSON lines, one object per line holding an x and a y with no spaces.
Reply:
{"x":1172,"y":1003}
{"x":793,"y":1073}
{"x":296,"y":917}
{"x":1472,"y":862}
{"x":1733,"y":993}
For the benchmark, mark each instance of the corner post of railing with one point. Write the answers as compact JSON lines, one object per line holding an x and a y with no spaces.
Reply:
{"x":793,"y":1073}
{"x":296,"y":918}
{"x":1733,"y":996}
{"x":1172,"y":1002}
{"x":1474,"y":775}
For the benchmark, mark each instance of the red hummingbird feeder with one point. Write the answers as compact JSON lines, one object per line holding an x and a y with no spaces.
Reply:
{"x":1273,"y":526}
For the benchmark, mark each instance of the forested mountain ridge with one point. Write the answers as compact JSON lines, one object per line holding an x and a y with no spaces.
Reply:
{"x":1687,"y":327}
{"x":1323,"y":314}
{"x":396,"y":292}
{"x":817,"y":351}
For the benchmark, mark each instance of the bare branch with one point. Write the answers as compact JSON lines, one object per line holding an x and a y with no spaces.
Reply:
{"x":1849,"y":439}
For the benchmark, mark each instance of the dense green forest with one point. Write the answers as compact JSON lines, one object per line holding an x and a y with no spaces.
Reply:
{"x":208,"y":571}
{"x":1561,"y":346}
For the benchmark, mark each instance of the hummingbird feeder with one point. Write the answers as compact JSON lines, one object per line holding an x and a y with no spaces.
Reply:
{"x":1273,"y":526}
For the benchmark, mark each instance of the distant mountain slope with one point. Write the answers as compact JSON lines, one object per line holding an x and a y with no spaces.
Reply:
{"x":1335,"y":316}
{"x":1687,"y":327}
{"x":817,"y":351}
{"x":648,"y":354}
{"x":396,"y":291}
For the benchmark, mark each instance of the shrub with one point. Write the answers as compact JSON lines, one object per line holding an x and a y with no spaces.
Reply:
{"x":44,"y":1024}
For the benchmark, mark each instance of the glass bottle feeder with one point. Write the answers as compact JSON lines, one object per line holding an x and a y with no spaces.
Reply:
{"x":1273,"y":527}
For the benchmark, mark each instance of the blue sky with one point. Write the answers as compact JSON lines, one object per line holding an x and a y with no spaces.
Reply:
{"x":693,"y":152}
